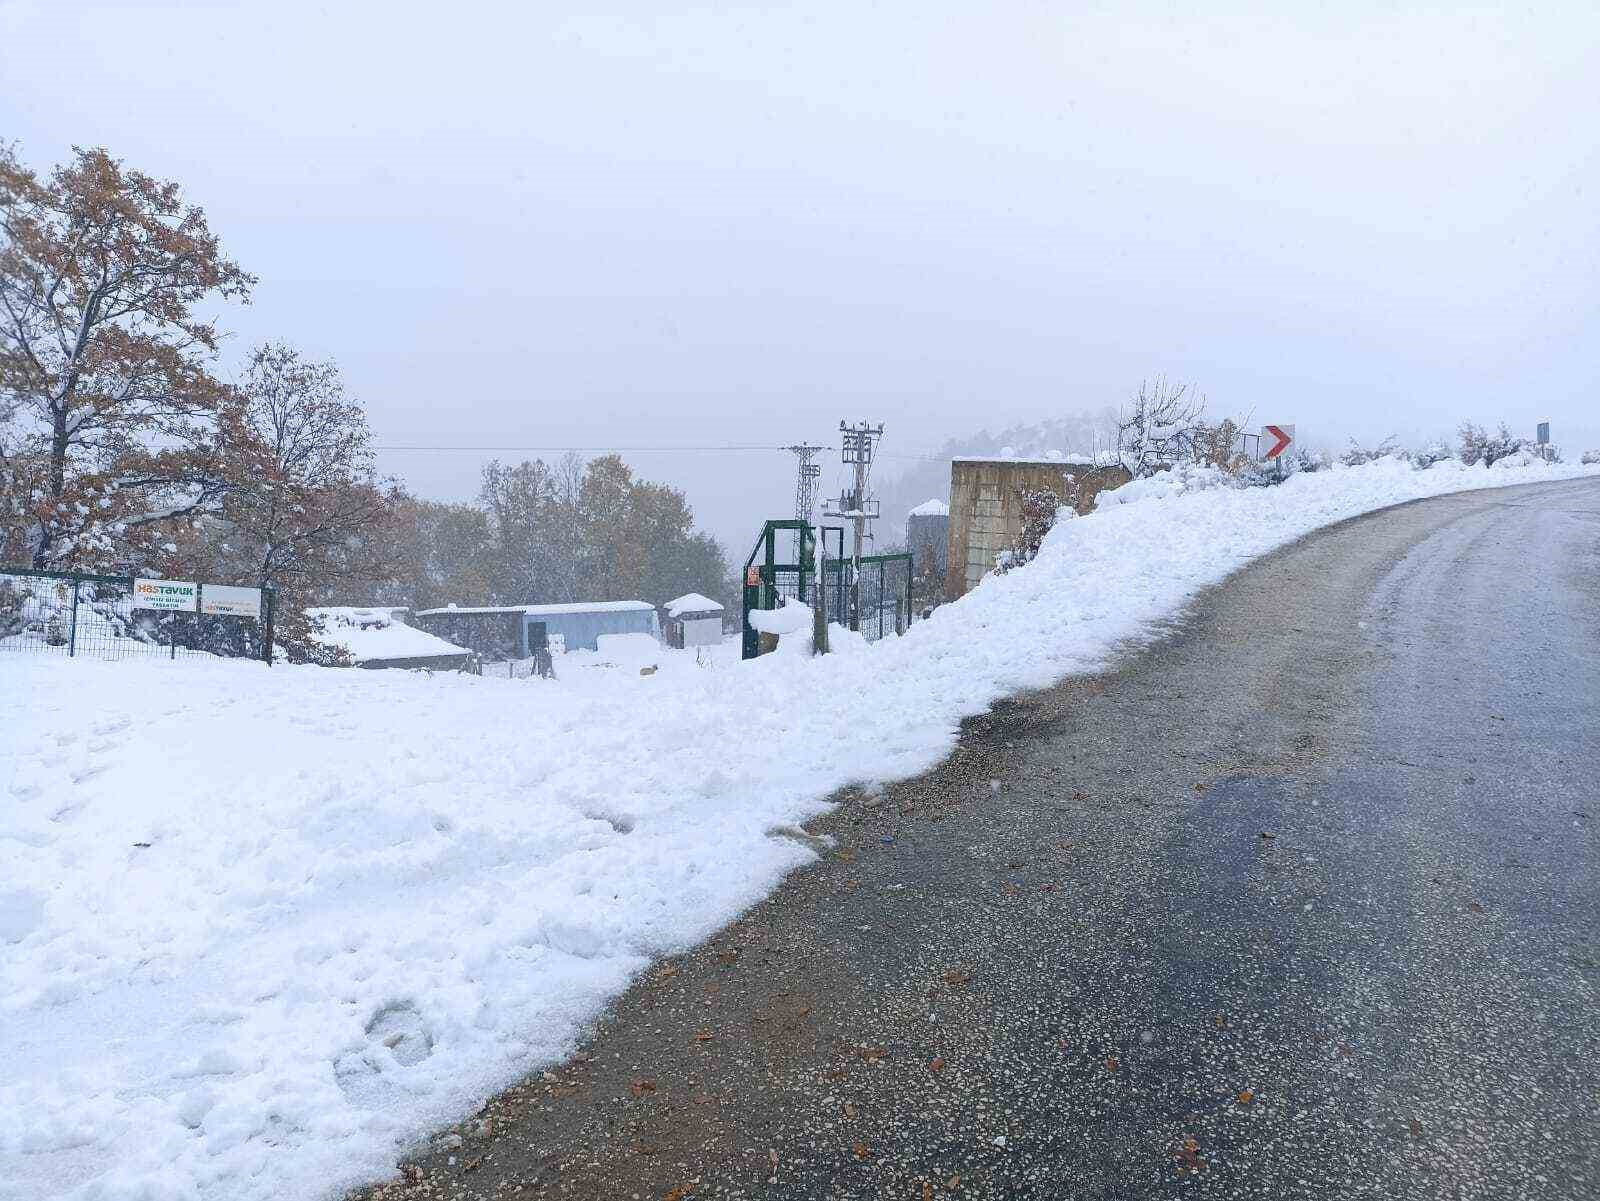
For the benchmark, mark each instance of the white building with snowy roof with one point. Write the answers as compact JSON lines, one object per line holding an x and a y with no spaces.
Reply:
{"x":380,"y":637}
{"x":514,"y":631}
{"x":692,"y":620}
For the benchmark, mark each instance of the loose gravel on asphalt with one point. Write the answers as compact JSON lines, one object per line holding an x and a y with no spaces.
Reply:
{"x":1302,"y":902}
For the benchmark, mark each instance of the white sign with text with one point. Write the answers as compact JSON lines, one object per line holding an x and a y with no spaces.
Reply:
{"x":224,"y":600}
{"x":173,"y":596}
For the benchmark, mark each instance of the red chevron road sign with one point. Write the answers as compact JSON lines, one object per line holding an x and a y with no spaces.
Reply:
{"x":1282,"y":436}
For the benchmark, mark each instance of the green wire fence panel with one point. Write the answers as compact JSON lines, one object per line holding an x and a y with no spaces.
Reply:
{"x":98,"y":617}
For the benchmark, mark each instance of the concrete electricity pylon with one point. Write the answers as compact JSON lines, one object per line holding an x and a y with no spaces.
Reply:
{"x":858,"y":444}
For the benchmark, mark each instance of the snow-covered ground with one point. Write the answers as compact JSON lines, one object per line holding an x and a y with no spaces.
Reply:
{"x":262,"y":927}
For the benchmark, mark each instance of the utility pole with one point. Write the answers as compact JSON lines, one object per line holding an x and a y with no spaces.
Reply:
{"x":858,"y":442}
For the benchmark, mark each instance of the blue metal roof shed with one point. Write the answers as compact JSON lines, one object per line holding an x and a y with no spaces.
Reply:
{"x":579,"y":625}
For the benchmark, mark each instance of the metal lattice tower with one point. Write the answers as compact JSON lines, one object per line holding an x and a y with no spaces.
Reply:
{"x":806,"y":479}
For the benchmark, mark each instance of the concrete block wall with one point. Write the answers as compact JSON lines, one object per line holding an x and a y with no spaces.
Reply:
{"x":986,"y":507}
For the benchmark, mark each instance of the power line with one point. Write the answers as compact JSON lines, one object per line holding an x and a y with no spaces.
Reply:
{"x":633,"y":450}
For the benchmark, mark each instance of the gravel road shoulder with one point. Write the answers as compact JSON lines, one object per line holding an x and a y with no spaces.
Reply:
{"x":1167,"y":930}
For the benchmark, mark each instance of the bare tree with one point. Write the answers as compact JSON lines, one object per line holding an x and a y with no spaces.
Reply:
{"x":1157,"y":429}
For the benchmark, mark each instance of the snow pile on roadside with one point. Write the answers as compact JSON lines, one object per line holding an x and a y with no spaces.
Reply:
{"x":368,"y":635}
{"x":1183,"y":479}
{"x":629,"y":650}
{"x":791,"y":624}
{"x":262,"y":927}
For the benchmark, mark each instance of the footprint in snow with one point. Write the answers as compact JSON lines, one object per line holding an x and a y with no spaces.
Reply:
{"x":396,"y":1037}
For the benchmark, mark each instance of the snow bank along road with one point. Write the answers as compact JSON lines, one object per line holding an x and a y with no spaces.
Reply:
{"x":262,"y":929}
{"x":1303,"y":904}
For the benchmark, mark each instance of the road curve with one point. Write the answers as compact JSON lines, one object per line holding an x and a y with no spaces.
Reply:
{"x":1303,"y":902}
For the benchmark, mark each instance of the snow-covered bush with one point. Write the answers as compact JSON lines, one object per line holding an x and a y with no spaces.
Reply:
{"x":1359,"y":454}
{"x":1254,"y":473}
{"x":1435,"y":452}
{"x":1527,"y":455}
{"x":1591,"y":456}
{"x":1221,"y":445}
{"x":1300,"y":459}
{"x":1041,"y":509}
{"x":11,"y":601}
{"x":1488,"y":449}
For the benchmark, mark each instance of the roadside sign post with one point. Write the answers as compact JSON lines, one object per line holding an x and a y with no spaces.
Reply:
{"x":1277,"y":439}
{"x":167,"y":596}
{"x":271,"y":594}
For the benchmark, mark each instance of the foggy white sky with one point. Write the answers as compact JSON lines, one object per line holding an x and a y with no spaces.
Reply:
{"x":660,"y":224}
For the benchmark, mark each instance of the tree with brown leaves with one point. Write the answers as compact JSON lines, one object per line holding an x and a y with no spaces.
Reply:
{"x":303,"y":510}
{"x":112,"y":432}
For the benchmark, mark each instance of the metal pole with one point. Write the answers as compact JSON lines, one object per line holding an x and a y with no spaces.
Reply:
{"x":72,"y":630}
{"x":877,"y":598}
{"x":911,"y":572}
{"x":861,"y":530}
{"x":819,"y":629}
{"x":269,"y":595}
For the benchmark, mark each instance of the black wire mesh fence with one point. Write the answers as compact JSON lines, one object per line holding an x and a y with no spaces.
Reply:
{"x":885,"y":594}
{"x":110,"y":617}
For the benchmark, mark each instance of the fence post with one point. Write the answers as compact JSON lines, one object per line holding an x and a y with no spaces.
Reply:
{"x":72,"y":629}
{"x":911,"y":574}
{"x":883,"y":573}
{"x":269,"y":594}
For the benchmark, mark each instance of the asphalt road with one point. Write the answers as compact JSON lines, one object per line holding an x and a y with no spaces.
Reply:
{"x":1303,"y":902}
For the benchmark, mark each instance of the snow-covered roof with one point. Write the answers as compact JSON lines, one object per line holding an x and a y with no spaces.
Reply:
{"x":548,"y":610}
{"x":933,"y":507}
{"x":1052,"y":459}
{"x":692,"y":602}
{"x":371,"y":635}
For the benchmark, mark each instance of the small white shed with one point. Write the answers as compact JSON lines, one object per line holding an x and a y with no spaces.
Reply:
{"x":692,"y":620}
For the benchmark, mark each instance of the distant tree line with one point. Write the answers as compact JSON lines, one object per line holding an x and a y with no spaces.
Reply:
{"x":122,"y":452}
{"x":551,"y":534}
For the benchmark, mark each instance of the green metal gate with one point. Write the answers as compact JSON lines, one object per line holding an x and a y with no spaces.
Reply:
{"x":768,"y":582}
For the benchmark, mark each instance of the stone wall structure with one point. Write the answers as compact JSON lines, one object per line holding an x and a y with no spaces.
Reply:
{"x":986,"y":507}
